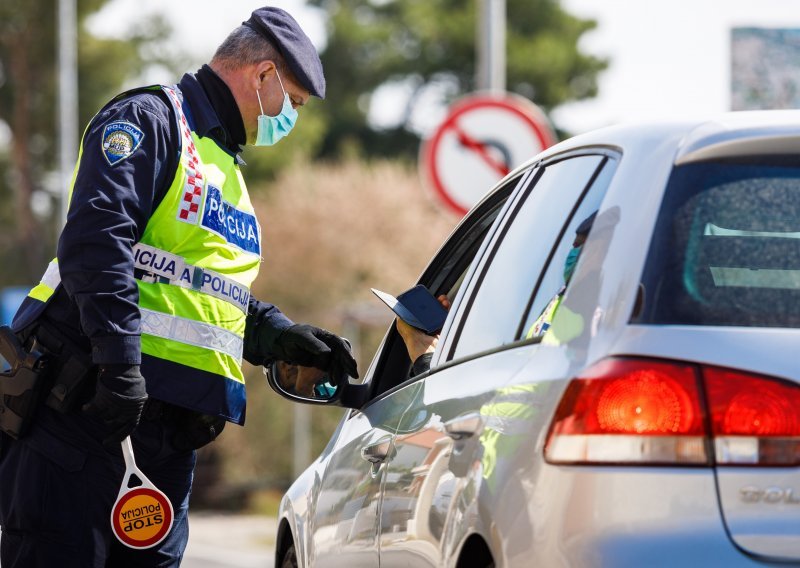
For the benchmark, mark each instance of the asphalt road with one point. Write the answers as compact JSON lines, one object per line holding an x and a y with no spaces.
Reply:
{"x":230,"y":541}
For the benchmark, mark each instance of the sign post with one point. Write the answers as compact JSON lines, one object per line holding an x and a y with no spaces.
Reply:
{"x":483,"y":138}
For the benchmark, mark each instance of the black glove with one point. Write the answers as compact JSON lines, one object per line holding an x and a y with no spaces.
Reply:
{"x":311,"y":346}
{"x":118,"y":401}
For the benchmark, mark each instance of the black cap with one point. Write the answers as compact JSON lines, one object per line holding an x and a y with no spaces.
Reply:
{"x":285,"y":34}
{"x":586,"y":225}
{"x":583,"y":230}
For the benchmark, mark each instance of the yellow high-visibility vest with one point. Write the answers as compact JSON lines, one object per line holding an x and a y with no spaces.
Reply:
{"x":198,"y":256}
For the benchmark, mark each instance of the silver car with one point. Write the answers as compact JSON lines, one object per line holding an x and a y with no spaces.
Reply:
{"x":616,"y":383}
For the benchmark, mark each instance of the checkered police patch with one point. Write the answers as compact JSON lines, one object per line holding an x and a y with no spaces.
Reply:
{"x":120,"y":140}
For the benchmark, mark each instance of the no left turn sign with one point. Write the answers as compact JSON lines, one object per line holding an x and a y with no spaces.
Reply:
{"x":482,"y":139}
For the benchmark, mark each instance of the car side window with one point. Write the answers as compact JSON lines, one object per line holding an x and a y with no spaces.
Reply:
{"x":507,"y":280}
{"x":563,"y":262}
{"x":444,"y":275}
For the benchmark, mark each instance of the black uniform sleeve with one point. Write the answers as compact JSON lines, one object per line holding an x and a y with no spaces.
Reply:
{"x":128,"y":159}
{"x":264,"y":323}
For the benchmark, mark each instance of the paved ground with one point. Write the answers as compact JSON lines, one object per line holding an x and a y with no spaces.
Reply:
{"x":230,"y":541}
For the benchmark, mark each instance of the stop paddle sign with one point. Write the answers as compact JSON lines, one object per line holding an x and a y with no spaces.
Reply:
{"x":142,"y":516}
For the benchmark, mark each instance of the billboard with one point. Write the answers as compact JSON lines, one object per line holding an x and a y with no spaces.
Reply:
{"x":765,"y":68}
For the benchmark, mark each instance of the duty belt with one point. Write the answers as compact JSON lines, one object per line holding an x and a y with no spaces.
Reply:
{"x":155,"y":265}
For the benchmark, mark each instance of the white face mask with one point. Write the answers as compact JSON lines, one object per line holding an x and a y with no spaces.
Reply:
{"x":273,"y":128}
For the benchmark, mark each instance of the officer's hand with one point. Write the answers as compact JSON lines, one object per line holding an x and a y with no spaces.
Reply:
{"x":118,"y":401}
{"x":311,"y":346}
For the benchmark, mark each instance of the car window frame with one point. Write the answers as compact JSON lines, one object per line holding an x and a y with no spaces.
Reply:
{"x":607,"y":165}
{"x":612,"y":156}
{"x":458,"y":311}
{"x":442,"y":270}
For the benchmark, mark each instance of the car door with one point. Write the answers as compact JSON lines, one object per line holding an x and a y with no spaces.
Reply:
{"x":473,"y":412}
{"x":348,"y":504}
{"x":344,"y":523}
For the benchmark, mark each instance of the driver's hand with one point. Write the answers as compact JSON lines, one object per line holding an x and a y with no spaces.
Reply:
{"x":417,"y":341}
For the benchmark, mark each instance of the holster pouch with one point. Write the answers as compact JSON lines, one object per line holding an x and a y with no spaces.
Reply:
{"x":71,"y":369}
{"x":191,"y":430}
{"x":196,"y":430}
{"x":21,"y":381}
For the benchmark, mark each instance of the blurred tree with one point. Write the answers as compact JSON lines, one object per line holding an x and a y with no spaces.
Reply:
{"x":28,"y":106}
{"x":329,"y":234}
{"x":427,"y":47}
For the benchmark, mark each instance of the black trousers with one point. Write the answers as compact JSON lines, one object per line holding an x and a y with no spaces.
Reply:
{"x":58,"y":485}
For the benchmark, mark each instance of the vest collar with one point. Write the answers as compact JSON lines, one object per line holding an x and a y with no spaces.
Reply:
{"x":206,"y":120}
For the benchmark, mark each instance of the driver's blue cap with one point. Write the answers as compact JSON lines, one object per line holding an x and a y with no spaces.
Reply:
{"x":283,"y":31}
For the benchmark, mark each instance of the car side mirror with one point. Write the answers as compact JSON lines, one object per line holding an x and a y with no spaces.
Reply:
{"x":304,"y":384}
{"x":310,"y":385}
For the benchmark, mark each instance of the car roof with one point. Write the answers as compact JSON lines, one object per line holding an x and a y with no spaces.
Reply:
{"x":684,"y":141}
{"x":733,"y":133}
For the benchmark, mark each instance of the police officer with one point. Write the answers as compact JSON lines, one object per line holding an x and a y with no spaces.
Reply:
{"x":150,"y":290}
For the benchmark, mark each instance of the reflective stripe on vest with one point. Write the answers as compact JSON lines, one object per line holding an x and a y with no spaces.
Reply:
{"x":167,"y":268}
{"x":171,"y":268}
{"x":50,"y":281}
{"x":192,"y":332}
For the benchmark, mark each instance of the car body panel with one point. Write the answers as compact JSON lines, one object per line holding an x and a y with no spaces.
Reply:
{"x":295,"y":512}
{"x":626,"y":517}
{"x":347,"y":503}
{"x":433,"y":492}
{"x":435,"y":463}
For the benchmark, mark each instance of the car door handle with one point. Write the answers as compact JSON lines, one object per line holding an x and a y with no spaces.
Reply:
{"x":377,"y":452}
{"x":464,"y":426}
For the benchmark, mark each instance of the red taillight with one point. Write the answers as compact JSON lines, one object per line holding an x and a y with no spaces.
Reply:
{"x":755,"y":420}
{"x":643,"y":411}
{"x":747,"y":405}
{"x":630,"y":411}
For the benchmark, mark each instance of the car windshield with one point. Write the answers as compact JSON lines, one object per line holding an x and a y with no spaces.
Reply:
{"x":726,"y":248}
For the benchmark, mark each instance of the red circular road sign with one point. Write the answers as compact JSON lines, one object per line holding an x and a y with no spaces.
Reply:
{"x":483,"y":138}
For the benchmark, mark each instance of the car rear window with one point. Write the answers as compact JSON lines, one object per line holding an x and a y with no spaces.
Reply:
{"x":726,"y":247}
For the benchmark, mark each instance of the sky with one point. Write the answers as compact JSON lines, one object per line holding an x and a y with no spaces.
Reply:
{"x":668,"y":58}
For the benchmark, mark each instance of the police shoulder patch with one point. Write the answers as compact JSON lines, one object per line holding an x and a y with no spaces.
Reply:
{"x":120,"y":140}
